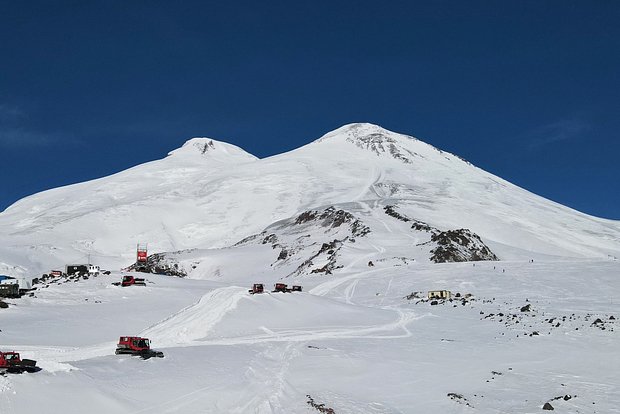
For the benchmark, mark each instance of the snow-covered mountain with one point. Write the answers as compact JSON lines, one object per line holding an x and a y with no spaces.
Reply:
{"x":210,"y":194}
{"x":368,"y":221}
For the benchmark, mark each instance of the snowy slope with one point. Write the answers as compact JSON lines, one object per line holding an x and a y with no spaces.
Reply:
{"x":357,"y":342}
{"x":358,"y":218}
{"x":212,"y":194}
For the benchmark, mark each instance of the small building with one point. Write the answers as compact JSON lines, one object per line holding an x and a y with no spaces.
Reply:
{"x":22,"y":283}
{"x":73,"y":269}
{"x":81,"y":269}
{"x":439,"y":294}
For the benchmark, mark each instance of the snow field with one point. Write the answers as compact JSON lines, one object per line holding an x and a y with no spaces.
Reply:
{"x":351,"y":341}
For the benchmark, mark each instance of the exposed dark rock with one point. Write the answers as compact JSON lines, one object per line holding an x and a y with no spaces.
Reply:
{"x":332,"y":218}
{"x":526,"y":308}
{"x":161,"y":264}
{"x":548,"y":407}
{"x":270,"y":239}
{"x":383,"y":144}
{"x":283,"y":254}
{"x":459,"y":246}
{"x":3,"y":304}
{"x":459,"y":398}
{"x":319,"y":407}
{"x":391,"y":211}
{"x":417,"y":225}
{"x":414,"y":295}
{"x":421,"y":226}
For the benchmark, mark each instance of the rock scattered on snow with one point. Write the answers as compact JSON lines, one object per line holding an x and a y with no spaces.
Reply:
{"x":459,"y":399}
{"x":319,"y":407}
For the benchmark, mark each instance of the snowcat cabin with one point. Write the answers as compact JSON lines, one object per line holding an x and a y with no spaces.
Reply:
{"x":257,"y":288}
{"x":9,"y":358}
{"x":296,"y":288}
{"x":134,"y":343}
{"x":439,"y":294}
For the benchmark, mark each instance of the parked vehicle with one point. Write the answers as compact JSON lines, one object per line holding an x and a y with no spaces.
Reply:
{"x":12,"y":363}
{"x":130,"y":280}
{"x":135,"y":345}
{"x":257,"y":288}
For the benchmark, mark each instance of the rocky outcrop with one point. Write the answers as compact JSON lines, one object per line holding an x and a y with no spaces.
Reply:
{"x":459,"y":246}
{"x":161,"y":264}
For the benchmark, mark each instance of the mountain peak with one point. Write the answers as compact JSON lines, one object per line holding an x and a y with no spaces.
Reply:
{"x":381,"y":142}
{"x":202,"y":147}
{"x":357,"y":130}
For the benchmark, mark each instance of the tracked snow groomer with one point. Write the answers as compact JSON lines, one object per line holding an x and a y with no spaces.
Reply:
{"x":130,"y":280}
{"x":257,"y":288}
{"x":12,"y":363}
{"x":281,"y":287}
{"x":134,"y":345}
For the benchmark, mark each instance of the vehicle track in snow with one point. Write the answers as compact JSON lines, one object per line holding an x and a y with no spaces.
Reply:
{"x":195,"y":321}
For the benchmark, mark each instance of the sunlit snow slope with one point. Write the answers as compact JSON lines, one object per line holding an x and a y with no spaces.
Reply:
{"x":212,"y":194}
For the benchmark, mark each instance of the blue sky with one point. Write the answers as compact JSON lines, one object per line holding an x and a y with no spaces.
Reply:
{"x":527,"y":90}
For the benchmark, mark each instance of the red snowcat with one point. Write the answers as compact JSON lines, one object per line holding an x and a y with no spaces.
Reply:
{"x":257,"y":288}
{"x":130,"y":280}
{"x":12,"y":363}
{"x":134,"y":345}
{"x":282,"y":287}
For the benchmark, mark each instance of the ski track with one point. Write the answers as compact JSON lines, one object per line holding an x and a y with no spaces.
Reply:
{"x":324,"y":288}
{"x":197,"y":320}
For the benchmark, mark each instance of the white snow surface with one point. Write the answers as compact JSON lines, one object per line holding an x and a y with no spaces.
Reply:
{"x":209,"y":194}
{"x":358,"y":339}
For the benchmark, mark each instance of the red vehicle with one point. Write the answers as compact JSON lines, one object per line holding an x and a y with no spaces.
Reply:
{"x":134,"y":345}
{"x":281,"y":287}
{"x":257,"y":288}
{"x":12,"y":363}
{"x":130,"y":280}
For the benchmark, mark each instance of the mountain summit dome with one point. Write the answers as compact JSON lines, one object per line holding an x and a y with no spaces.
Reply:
{"x":209,"y":148}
